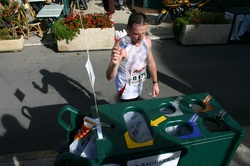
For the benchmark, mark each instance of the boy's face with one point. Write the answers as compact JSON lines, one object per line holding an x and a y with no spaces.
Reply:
{"x":137,"y":33}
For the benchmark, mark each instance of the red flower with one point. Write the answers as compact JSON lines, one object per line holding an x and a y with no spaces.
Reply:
{"x":96,"y":20}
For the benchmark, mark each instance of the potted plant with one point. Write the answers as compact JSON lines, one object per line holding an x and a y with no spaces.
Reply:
{"x":201,"y":27}
{"x":80,"y":31}
{"x":12,"y":27}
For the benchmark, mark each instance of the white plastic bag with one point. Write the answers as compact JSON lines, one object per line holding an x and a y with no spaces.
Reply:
{"x":84,"y":143}
{"x":89,"y":151}
{"x":78,"y":145}
{"x":137,"y":127}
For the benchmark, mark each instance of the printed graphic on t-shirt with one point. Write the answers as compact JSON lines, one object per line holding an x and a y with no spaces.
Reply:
{"x":138,"y":75}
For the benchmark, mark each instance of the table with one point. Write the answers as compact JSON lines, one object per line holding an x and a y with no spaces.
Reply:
{"x":49,"y":13}
{"x":240,"y":21}
{"x":37,"y":4}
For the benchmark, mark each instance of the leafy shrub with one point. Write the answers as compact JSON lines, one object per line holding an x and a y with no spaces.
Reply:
{"x":196,"y":17}
{"x":69,"y":27}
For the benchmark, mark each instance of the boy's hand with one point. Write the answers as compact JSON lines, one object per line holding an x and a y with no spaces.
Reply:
{"x":116,"y":56}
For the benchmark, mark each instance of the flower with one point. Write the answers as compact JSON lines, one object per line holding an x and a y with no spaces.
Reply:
{"x":69,"y":27}
{"x":10,"y":20}
{"x":195,"y":17}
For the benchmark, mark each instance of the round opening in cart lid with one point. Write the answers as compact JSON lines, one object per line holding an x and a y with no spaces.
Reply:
{"x":196,"y":105}
{"x":179,"y":129}
{"x":167,"y":109}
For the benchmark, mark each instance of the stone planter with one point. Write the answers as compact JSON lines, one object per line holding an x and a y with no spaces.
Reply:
{"x":11,"y":45}
{"x":205,"y":34}
{"x":89,"y":39}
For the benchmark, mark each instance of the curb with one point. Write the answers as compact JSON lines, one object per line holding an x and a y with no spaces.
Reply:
{"x":37,"y":158}
{"x":246,"y":128}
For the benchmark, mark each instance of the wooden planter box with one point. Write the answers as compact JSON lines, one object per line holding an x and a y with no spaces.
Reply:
{"x":11,"y":45}
{"x":205,"y":34}
{"x":89,"y":39}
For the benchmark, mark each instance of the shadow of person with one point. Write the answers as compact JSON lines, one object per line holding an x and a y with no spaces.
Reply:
{"x":44,"y":126}
{"x":15,"y":138}
{"x":72,"y":91}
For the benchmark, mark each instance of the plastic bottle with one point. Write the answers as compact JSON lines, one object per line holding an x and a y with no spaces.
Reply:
{"x":124,"y":42}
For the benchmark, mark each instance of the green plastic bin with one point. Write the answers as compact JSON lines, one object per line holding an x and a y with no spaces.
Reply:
{"x":186,"y":130}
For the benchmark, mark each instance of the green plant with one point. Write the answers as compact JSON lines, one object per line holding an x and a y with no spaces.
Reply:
{"x":5,"y":34}
{"x":196,"y":17}
{"x":69,"y":27}
{"x":10,"y":19}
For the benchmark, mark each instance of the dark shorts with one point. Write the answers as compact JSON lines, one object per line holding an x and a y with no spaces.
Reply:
{"x":127,"y":100}
{"x":109,"y":6}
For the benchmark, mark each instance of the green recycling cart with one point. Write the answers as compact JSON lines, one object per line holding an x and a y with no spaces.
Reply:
{"x":181,"y":130}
